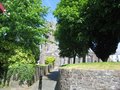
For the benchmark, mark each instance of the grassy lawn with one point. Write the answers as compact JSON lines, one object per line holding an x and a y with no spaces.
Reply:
{"x":97,"y":66}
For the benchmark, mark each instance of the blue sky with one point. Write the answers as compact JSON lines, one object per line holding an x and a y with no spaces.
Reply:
{"x":52,"y":4}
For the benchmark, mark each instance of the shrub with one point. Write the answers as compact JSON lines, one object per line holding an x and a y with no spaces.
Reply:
{"x":21,"y":65}
{"x":50,"y":60}
{"x":22,"y":72}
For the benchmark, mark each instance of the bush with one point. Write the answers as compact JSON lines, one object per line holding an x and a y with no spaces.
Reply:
{"x":50,"y":60}
{"x":24,"y":72}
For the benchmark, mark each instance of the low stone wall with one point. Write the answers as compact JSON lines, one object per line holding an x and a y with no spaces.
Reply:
{"x":42,"y":70}
{"x":77,"y":79}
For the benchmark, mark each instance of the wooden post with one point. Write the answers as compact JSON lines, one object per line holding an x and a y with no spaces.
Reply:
{"x":40,"y":83}
{"x":40,"y":79}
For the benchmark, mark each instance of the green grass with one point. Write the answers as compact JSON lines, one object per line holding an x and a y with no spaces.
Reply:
{"x":96,"y":66}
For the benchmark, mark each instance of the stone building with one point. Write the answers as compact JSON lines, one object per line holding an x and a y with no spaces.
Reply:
{"x":50,"y":48}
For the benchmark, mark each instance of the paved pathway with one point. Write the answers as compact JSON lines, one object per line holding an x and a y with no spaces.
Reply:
{"x":48,"y":83}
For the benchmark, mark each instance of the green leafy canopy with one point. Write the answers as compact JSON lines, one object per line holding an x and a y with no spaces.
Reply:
{"x":22,"y":30}
{"x":84,"y":24}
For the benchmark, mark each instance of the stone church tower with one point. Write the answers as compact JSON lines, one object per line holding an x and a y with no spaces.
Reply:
{"x":50,"y":48}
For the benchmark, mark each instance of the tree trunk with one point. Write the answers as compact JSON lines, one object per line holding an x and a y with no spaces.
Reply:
{"x":5,"y":76}
{"x":84,"y":59}
{"x":105,"y":60}
{"x":98,"y":59}
{"x":74,"y":59}
{"x":68,"y":60}
{"x":79,"y":60}
{"x":64,"y":60}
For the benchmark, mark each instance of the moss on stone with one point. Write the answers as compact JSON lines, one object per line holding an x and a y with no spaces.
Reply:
{"x":41,"y":65}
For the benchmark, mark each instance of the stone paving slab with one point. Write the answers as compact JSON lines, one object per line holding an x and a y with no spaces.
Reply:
{"x":48,"y":84}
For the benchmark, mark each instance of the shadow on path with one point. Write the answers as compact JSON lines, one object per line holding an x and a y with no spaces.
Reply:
{"x":49,"y":81}
{"x":53,"y":75}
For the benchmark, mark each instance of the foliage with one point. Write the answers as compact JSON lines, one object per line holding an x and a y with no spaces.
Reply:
{"x":21,"y":63}
{"x":22,"y":29}
{"x":102,"y":21}
{"x":25,"y":24}
{"x":23,"y":56}
{"x":71,"y":42}
{"x":50,"y":60}
{"x":84,"y":24}
{"x":21,"y":71}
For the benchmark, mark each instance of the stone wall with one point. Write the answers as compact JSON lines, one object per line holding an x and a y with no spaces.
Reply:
{"x":78,"y":79}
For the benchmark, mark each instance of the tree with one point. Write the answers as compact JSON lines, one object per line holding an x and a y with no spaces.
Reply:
{"x":102,"y":22}
{"x":22,"y":27}
{"x":92,"y":23}
{"x":69,"y":22}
